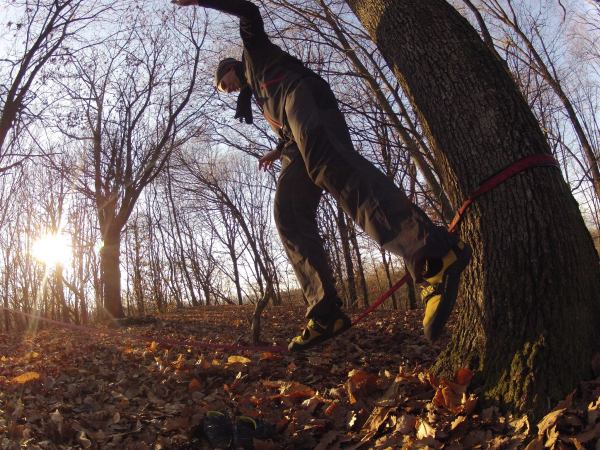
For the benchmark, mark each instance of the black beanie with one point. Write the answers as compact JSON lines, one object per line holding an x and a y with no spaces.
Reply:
{"x":243,"y":110}
{"x":223,"y":68}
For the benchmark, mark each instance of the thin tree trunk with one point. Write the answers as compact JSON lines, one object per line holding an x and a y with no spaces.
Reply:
{"x":388,"y":276}
{"x":412,"y":295}
{"x":60,"y":293}
{"x":236,"y":275}
{"x":345,"y":240}
{"x":360,"y":268}
{"x":138,"y":290}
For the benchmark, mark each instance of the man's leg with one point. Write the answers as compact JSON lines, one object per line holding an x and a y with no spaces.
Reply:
{"x":369,"y":197}
{"x":365,"y":193}
{"x":296,"y":202}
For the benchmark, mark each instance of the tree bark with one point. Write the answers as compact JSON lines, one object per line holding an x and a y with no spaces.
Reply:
{"x":345,"y":240}
{"x":529,"y":312}
{"x":111,"y":275}
{"x":236,"y":276}
{"x":60,"y":293}
{"x":388,"y":277}
{"x":360,"y":268}
{"x":138,"y":288}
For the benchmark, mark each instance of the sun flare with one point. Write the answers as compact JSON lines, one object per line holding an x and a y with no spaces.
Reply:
{"x":53,"y":250}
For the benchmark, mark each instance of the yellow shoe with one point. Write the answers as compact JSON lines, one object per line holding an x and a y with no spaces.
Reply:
{"x":441,"y":288}
{"x":316,"y":332}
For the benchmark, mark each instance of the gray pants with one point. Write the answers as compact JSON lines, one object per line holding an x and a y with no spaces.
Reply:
{"x":324,"y":159}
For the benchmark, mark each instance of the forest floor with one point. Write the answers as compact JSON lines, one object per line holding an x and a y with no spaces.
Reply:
{"x":149,"y":386}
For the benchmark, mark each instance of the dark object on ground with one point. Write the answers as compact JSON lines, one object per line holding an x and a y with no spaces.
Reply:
{"x":218,"y":429}
{"x":132,"y":321}
{"x":221,"y":431}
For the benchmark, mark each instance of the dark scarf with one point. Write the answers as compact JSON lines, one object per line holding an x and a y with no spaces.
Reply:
{"x":243,"y":109}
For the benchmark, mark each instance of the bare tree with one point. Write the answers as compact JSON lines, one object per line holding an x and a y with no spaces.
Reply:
{"x":135,"y":96}
{"x":213,"y":184}
{"x":43,"y":34}
{"x":531,"y":328}
{"x":531,"y":44}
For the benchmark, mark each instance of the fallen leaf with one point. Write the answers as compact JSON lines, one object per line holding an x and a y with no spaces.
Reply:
{"x":360,"y":383}
{"x":289,"y":389}
{"x":311,"y":404}
{"x":425,"y":430}
{"x":577,"y":444}
{"x":549,"y":420}
{"x":176,"y":423}
{"x":521,"y":424}
{"x":194,"y":385}
{"x":269,"y":356}
{"x":236,"y":359}
{"x":468,"y":405}
{"x":26,"y":377}
{"x":405,"y":424}
{"x":593,"y":412}
{"x":83,"y":440}
{"x":551,"y":437}
{"x":378,"y":417}
{"x":463,"y":376}
{"x":179,"y":363}
{"x":57,"y":419}
{"x":331,"y":408}
{"x":460,"y":420}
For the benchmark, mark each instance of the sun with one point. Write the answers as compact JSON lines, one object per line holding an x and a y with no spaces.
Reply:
{"x":53,"y":250}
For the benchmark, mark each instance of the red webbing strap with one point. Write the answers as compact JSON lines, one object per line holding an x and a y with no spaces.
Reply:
{"x":382,"y":298}
{"x":165,"y":341}
{"x":540,"y":160}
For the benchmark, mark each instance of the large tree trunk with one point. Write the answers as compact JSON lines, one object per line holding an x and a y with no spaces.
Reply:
{"x":110,"y":273}
{"x":529,"y":312}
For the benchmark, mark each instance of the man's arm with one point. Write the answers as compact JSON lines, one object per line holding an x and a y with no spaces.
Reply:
{"x":267,"y":160}
{"x":252,"y":29}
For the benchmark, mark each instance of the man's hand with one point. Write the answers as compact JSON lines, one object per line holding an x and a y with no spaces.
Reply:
{"x":185,"y":2}
{"x":266,"y":162}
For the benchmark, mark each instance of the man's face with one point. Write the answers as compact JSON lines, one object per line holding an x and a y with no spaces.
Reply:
{"x":230,"y":82}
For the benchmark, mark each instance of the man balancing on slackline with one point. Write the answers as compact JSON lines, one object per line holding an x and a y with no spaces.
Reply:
{"x":317,"y":154}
